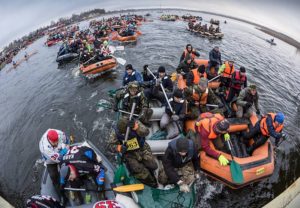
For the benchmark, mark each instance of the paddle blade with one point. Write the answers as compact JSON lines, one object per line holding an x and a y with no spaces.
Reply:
{"x":236,"y":172}
{"x":120,"y":48}
{"x":121,"y":61}
{"x":129,"y":188}
{"x":174,"y":76}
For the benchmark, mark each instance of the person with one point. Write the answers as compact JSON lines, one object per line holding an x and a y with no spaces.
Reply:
{"x":211,"y":29}
{"x":40,"y":201}
{"x":26,"y":55}
{"x":226,"y":71}
{"x":77,"y":164}
{"x":215,"y":58}
{"x":155,"y":91}
{"x":189,"y":50}
{"x":177,"y":103}
{"x":134,"y":93}
{"x":245,"y":101}
{"x":270,"y":124}
{"x":194,"y":76}
{"x":146,"y":75}
{"x":181,"y":164}
{"x":136,"y":151}
{"x":238,"y":80}
{"x":200,"y":95}
{"x":53,"y":145}
{"x":131,"y":75}
{"x":104,"y":52}
{"x":186,"y":66}
{"x":210,"y":127}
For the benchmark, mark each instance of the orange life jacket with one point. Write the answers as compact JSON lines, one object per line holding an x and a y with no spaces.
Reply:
{"x":197,"y":77}
{"x":203,"y":99}
{"x":228,"y":71}
{"x":264,"y":128}
{"x":192,"y":55}
{"x":207,"y":121}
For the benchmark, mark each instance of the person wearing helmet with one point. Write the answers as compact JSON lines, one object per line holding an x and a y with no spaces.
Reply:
{"x":177,"y":103}
{"x":248,"y":96}
{"x":40,"y":201}
{"x":270,"y":124}
{"x":180,"y":164}
{"x":134,"y":93}
{"x":154,"y":91}
{"x":53,"y":145}
{"x":79,"y":162}
{"x":189,"y":50}
{"x":136,"y":151}
{"x":131,"y":75}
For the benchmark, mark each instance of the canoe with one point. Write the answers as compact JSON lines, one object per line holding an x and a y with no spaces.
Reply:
{"x":47,"y":187}
{"x":99,"y":67}
{"x":255,"y":167}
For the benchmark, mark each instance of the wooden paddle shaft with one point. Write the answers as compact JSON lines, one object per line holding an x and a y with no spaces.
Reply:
{"x":130,"y":117}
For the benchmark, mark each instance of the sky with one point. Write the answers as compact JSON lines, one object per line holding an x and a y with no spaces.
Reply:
{"x":19,"y":17}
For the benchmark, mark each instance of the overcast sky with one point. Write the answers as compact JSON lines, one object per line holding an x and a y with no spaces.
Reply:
{"x":19,"y":17}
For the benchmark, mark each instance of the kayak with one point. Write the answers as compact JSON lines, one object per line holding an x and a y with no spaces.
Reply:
{"x":47,"y":187}
{"x":66,"y":57}
{"x":162,"y":197}
{"x":271,"y":42}
{"x":99,"y":67}
{"x":255,"y":167}
{"x":17,"y":63}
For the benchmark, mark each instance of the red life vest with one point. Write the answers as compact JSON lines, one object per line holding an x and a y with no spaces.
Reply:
{"x":240,"y":78}
{"x":207,"y":121}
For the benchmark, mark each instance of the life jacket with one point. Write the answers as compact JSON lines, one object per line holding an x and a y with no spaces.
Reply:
{"x":203,"y":99}
{"x":134,"y":141}
{"x":197,"y":77}
{"x":190,"y":152}
{"x":263,"y":125}
{"x":192,"y":55}
{"x":207,"y":121}
{"x":240,"y":78}
{"x":228,"y":71}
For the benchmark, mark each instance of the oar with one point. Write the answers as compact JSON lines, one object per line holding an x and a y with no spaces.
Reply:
{"x":122,"y":189}
{"x":130,"y":117}
{"x":107,"y":106}
{"x":214,"y":78}
{"x":167,"y":99}
{"x":119,"y":60}
{"x":235,"y":168}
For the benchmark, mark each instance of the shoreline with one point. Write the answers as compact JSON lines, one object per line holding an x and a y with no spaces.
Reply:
{"x":285,"y":38}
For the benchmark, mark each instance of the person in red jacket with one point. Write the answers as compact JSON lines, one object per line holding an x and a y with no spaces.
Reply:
{"x":238,"y":80}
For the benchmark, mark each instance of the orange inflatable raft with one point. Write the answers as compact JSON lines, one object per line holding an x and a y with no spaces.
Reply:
{"x":99,"y":67}
{"x":255,"y":167}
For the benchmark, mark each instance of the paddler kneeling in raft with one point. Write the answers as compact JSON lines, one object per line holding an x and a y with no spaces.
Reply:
{"x":180,"y":164}
{"x":270,"y":124}
{"x":135,"y":151}
{"x":189,"y":50}
{"x":186,"y":66}
{"x":210,"y":127}
{"x":77,"y":164}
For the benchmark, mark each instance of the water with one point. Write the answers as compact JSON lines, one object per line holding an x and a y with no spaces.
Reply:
{"x":37,"y":96}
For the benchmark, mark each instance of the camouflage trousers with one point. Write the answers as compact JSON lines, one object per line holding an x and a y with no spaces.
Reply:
{"x":142,"y":164}
{"x":186,"y":173}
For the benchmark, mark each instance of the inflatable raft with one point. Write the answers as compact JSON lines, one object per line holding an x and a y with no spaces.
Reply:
{"x":47,"y":187}
{"x":99,"y":67}
{"x":255,"y":167}
{"x":66,"y":57}
{"x":50,"y":43}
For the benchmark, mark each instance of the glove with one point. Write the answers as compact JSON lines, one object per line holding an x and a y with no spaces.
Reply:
{"x":227,"y":137}
{"x":221,"y":105}
{"x":175,"y":117}
{"x":131,"y":124}
{"x":184,"y":188}
{"x":248,"y":105}
{"x":258,"y":112}
{"x":145,"y":67}
{"x":223,"y":161}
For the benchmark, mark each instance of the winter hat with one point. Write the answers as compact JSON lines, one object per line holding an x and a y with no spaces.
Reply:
{"x":182,"y":145}
{"x":242,"y":69}
{"x":203,"y":82}
{"x":223,"y":125}
{"x":161,"y":69}
{"x":201,"y":69}
{"x":279,"y":117}
{"x":52,"y":136}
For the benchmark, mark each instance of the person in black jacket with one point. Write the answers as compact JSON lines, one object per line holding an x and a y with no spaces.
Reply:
{"x":155,"y":91}
{"x":181,"y":164}
{"x":177,"y":116}
{"x":215,"y":58}
{"x":186,"y":66}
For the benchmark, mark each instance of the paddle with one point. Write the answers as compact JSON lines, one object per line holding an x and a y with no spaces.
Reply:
{"x":122,"y":189}
{"x":214,"y":78}
{"x":108,"y":106}
{"x":235,"y":168}
{"x":119,"y":60}
{"x":130,"y":117}
{"x":167,"y":99}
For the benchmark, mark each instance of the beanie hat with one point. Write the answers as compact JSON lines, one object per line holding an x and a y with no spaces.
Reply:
{"x":223,"y":125}
{"x":161,"y":69}
{"x":279,"y":117}
{"x":52,"y":136}
{"x":203,"y":82}
{"x":252,"y":86}
{"x":128,"y":66}
{"x":182,"y":145}
{"x":178,"y":93}
{"x":242,"y":69}
{"x":201,"y":69}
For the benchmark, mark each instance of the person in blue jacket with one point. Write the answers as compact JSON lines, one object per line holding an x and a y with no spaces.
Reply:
{"x":131,"y":75}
